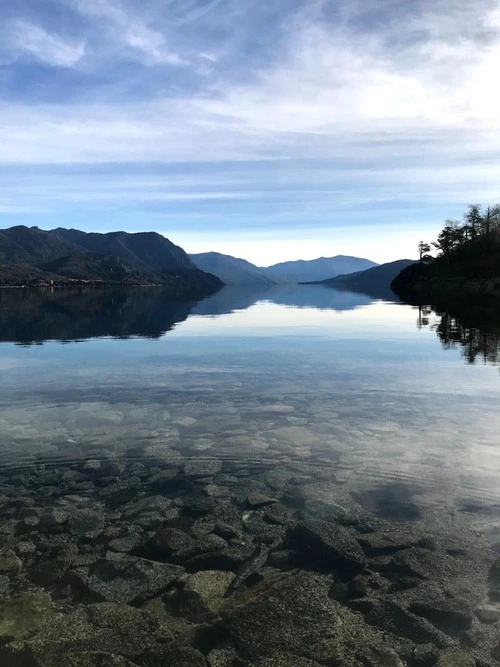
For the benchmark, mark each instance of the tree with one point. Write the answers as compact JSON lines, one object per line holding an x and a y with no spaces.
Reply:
{"x":423,"y":250}
{"x":451,"y":236}
{"x":474,"y":220}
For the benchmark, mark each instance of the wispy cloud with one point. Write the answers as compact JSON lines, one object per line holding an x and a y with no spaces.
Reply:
{"x":22,"y":38}
{"x":128,"y":27}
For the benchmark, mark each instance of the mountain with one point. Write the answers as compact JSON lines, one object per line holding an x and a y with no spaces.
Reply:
{"x":30,"y":245}
{"x":378,"y":276}
{"x":145,"y":251}
{"x":233,"y":271}
{"x":318,"y":269}
{"x":31,"y":256}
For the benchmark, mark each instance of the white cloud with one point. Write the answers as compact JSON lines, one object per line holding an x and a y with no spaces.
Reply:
{"x":131,"y":29}
{"x":25,"y":38}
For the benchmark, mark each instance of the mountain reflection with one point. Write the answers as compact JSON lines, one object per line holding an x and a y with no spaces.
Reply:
{"x":473,"y":325}
{"x":33,"y":316}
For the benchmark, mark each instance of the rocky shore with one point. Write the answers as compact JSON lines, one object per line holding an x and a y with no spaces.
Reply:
{"x":218,"y":563}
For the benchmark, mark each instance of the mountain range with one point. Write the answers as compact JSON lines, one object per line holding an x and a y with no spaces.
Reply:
{"x":234,"y":271}
{"x":29,"y":255}
{"x":322,"y":268}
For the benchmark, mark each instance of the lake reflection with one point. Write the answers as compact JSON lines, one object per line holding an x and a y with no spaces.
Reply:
{"x":263,"y":412}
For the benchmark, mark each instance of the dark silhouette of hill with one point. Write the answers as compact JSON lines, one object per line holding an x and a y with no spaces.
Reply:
{"x":232,"y":270}
{"x":144,"y":251}
{"x":315,"y":270}
{"x":30,"y":245}
{"x":473,"y":266}
{"x":31,"y":256}
{"x":33,"y":316}
{"x":375,"y":281}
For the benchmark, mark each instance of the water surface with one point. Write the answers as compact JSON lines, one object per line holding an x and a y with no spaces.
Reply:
{"x":313,"y":398}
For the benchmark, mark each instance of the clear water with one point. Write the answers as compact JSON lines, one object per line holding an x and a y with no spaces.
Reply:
{"x":334,"y":388}
{"x":310,"y":375}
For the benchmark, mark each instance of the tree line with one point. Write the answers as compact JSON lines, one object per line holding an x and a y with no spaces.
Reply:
{"x":476,"y":222}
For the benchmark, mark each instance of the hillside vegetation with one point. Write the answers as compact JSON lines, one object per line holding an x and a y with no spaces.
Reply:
{"x":468,"y":256}
{"x":30,"y":256}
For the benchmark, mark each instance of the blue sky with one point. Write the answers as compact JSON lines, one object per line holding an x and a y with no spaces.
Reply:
{"x":269,"y":130}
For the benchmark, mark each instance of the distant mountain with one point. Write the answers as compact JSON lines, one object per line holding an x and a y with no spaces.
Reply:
{"x":31,"y":256}
{"x":233,"y":271}
{"x":319,"y":269}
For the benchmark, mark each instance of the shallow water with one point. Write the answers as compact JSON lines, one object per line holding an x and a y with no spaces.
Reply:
{"x":316,"y":404}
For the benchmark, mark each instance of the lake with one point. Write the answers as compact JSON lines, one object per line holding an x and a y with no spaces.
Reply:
{"x":284,"y":476}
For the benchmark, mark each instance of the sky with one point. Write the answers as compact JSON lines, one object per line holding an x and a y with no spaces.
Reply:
{"x":271,"y":131}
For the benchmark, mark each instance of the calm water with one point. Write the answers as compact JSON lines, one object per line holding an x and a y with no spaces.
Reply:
{"x":372,"y":406}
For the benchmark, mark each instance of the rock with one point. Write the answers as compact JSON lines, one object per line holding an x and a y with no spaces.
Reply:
{"x":326,"y":511}
{"x":167,"y":541}
{"x":284,"y":559}
{"x":203,"y":594}
{"x":256,"y":499}
{"x":4,"y":584}
{"x":229,"y":558}
{"x":202,"y":467}
{"x":92,"y":464}
{"x":222,"y":657}
{"x":278,"y":515}
{"x":127,"y":543}
{"x":494,"y":580}
{"x":452,"y":616}
{"x":424,"y":655}
{"x":327,"y":545}
{"x":25,"y":615}
{"x":392,"y":617}
{"x":456,"y":658}
{"x":293,"y":613}
{"x":96,"y":628}
{"x":151,"y":504}
{"x":56,"y":517}
{"x":286,"y":660}
{"x":86,"y":522}
{"x":126,"y":579}
{"x":488,"y":613}
{"x":25,"y":548}
{"x":215,"y":491}
{"x":52,"y":566}
{"x":9,"y":561}
{"x":388,"y":542}
{"x":176,"y":656}
{"x":97,"y":659}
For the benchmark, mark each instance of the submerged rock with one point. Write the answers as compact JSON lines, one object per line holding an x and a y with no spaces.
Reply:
{"x":126,"y":579}
{"x":101,"y":628}
{"x":293,"y":613}
{"x":9,"y":561}
{"x":203,"y":594}
{"x":25,"y":615}
{"x":327,"y":545}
